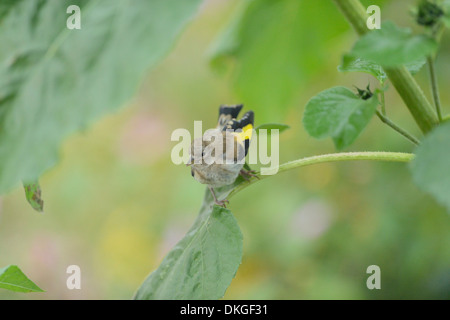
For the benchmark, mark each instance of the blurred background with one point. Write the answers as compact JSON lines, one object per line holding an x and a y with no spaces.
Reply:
{"x":115,"y":204}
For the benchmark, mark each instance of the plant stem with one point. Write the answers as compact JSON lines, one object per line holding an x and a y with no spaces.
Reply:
{"x":414,"y":98}
{"x":434,"y":87}
{"x":401,"y":78}
{"x":334,"y":157}
{"x":355,"y":13}
{"x":400,"y":130}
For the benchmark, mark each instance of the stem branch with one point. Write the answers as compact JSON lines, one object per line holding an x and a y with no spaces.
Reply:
{"x":400,"y":130}
{"x":334,"y":157}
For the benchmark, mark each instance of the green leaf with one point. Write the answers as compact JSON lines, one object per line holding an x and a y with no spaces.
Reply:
{"x":415,"y":66}
{"x":431,"y":167}
{"x":33,"y":195}
{"x":352,"y":63}
{"x":272,"y":126}
{"x":340,"y":114}
{"x":54,"y":81}
{"x":270,"y":50}
{"x":13,"y":279}
{"x":393,"y":46}
{"x":203,"y":263}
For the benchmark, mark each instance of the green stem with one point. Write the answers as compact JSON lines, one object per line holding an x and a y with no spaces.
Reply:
{"x":334,"y":157}
{"x":414,"y":98}
{"x":401,"y":78}
{"x":400,"y":130}
{"x":355,"y":13}
{"x":434,"y":87}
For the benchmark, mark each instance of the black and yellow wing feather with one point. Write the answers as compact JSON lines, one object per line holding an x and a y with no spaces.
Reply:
{"x":243,"y":128}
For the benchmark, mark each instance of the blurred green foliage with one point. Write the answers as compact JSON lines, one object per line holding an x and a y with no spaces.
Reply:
{"x":54,"y":81}
{"x":278,"y":46}
{"x":435,"y":149}
{"x":115,"y":203}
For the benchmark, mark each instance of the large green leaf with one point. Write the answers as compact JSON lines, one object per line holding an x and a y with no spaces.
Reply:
{"x":338,"y":113}
{"x":5,"y":6}
{"x":12,"y":278}
{"x":393,"y":46}
{"x":54,"y":81}
{"x":203,"y":263}
{"x":352,"y":63}
{"x":275,"y":48}
{"x":431,"y":167}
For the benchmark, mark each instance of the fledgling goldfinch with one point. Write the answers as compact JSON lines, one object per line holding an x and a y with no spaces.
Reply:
{"x":221,"y":169}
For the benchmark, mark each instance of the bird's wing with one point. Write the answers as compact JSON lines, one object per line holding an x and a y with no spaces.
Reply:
{"x":228,"y":113}
{"x":243,"y":129}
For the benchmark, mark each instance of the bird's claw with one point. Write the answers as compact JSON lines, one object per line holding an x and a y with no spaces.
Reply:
{"x":246,"y":174}
{"x":221,"y":203}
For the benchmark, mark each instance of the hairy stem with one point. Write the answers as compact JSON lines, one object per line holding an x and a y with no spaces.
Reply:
{"x":334,"y":157}
{"x":401,"y":78}
{"x":397,"y":128}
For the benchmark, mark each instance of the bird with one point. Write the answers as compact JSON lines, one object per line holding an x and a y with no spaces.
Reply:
{"x":218,"y":157}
